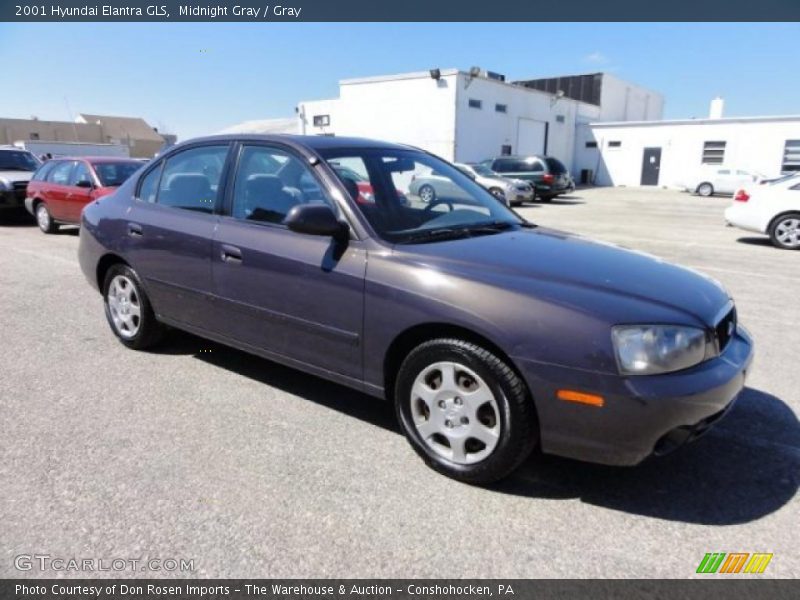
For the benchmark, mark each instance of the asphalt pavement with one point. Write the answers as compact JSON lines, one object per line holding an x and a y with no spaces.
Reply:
{"x":199,"y":452}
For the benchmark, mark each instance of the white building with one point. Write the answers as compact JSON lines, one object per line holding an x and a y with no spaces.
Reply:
{"x":666,"y":153}
{"x":470,"y":116}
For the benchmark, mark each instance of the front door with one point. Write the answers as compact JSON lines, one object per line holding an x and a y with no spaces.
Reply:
{"x":170,"y":230}
{"x":78,"y":196}
{"x":651,"y":165}
{"x":294,"y":295}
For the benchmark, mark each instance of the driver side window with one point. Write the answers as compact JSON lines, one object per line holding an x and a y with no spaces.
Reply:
{"x":269,"y":183}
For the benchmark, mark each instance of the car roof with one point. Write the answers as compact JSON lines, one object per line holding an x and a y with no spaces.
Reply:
{"x":315,"y":142}
{"x":97,"y":159}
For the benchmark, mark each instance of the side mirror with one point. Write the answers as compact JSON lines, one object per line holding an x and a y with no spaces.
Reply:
{"x":316,"y":219}
{"x":85,"y":184}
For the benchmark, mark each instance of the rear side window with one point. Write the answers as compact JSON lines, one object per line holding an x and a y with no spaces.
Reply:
{"x":191,"y":178}
{"x":61,"y":173}
{"x":41,"y":174}
{"x":148,"y":188}
{"x":555,"y":166}
{"x":114,"y":174}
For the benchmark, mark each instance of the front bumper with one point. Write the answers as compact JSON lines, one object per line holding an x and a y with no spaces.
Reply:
{"x":11,"y":199}
{"x":641,"y":415}
{"x":516,"y":195}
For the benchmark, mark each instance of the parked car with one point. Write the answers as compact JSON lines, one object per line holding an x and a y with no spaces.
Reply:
{"x":491,"y":335}
{"x":16,"y":168}
{"x":61,"y":187}
{"x":773,"y":209}
{"x":511,"y":191}
{"x":548,"y":176}
{"x":710,"y":180}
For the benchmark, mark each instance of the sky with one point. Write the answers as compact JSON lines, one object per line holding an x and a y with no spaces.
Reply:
{"x":198,"y":78}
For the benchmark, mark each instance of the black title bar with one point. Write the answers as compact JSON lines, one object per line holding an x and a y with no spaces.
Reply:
{"x":405,"y":10}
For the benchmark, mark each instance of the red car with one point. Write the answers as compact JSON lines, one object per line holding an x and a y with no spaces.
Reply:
{"x":61,"y":187}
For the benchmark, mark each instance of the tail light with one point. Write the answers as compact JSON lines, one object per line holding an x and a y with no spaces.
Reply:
{"x":741,"y":196}
{"x":548,"y":178}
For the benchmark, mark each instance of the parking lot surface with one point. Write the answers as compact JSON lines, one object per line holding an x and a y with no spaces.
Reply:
{"x":201,"y":452}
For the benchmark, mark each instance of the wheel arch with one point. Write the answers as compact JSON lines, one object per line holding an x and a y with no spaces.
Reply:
{"x":104,"y":264}
{"x":412,"y":337}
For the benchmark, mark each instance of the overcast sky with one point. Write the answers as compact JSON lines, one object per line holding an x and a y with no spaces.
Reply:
{"x":194,"y":79}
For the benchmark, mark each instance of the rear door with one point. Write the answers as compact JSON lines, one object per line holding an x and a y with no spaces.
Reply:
{"x":170,"y":230}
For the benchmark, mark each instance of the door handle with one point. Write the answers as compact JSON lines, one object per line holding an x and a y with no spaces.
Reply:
{"x":134,"y":230}
{"x":231,"y":254}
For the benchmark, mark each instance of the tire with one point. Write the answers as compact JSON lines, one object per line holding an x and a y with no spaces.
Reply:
{"x":546,"y":199}
{"x":441,"y":427}
{"x":123,"y":298}
{"x":44,"y":219}
{"x":705,"y":189}
{"x":427,"y":194}
{"x":785,"y":231}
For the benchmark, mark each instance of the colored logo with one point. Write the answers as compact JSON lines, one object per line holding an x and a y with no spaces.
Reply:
{"x":734,"y":562}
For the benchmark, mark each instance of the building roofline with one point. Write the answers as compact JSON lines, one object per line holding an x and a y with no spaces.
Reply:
{"x":703,"y":121}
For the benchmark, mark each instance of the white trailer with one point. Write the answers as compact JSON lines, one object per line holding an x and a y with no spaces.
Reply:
{"x":57,"y":149}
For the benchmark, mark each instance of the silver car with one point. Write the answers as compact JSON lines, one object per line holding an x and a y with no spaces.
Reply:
{"x":512,"y":191}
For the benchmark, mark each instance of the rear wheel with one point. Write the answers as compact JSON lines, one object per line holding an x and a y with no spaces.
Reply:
{"x":545,"y":199}
{"x":128,"y":309}
{"x":465,"y":411}
{"x":785,"y":231}
{"x":705,"y":189}
{"x":427,"y":194}
{"x":44,"y":219}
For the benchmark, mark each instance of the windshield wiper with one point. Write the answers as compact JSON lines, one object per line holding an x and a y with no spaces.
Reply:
{"x":430,"y":235}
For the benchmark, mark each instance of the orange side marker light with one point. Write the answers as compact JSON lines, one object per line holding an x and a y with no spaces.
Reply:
{"x":580,"y":397}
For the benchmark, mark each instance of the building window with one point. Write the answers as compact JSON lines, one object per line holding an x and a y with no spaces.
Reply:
{"x":34,"y":136}
{"x":591,"y":144}
{"x":713,"y":153}
{"x":791,"y":156}
{"x":501,"y":108}
{"x":473,"y":103}
{"x":614,"y":144}
{"x":560,"y":119}
{"x":322,"y":120}
{"x":505,"y":150}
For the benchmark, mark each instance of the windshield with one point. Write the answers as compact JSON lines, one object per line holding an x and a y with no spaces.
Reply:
{"x":17,"y":161}
{"x":484,"y":171}
{"x":114,"y":174}
{"x":419,"y":198}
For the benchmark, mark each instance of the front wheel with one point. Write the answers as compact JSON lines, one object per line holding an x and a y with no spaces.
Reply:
{"x":785,"y":231}
{"x":128,"y":309}
{"x":465,"y":411}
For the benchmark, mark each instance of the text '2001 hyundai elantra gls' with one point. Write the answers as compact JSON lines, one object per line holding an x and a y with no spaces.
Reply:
{"x":491,"y":335}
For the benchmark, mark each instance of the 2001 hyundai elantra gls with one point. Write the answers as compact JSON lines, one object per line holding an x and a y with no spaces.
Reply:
{"x":491,"y":335}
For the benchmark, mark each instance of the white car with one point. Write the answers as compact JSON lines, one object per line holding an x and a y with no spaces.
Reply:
{"x":772,"y":208}
{"x":710,"y":180}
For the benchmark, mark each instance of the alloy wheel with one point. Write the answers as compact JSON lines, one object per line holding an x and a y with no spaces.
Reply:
{"x":787,"y":232}
{"x":125,"y":306}
{"x":43,"y":217}
{"x":455,"y":412}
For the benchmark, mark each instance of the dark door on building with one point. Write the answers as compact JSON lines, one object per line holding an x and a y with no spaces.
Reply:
{"x":651,"y":165}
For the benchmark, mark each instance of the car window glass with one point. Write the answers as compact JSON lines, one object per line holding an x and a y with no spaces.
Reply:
{"x":43,"y":171}
{"x":60,"y":173}
{"x":407,"y":195}
{"x":269,"y":183}
{"x":114,"y":174}
{"x":191,"y":178}
{"x":724,"y":172}
{"x":148,"y":188}
{"x":80,"y":173}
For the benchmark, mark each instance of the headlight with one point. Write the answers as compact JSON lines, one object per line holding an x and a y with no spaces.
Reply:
{"x":5,"y":185}
{"x":650,"y":349}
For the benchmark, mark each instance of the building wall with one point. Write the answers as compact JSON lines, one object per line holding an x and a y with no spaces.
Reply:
{"x":623,"y":101}
{"x":481,"y":133}
{"x":14,"y":130}
{"x":751,"y":144}
{"x":413,"y":109}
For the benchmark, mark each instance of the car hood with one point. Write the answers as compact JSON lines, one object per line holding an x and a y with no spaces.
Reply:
{"x":572,"y":270}
{"x":16,"y":175}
